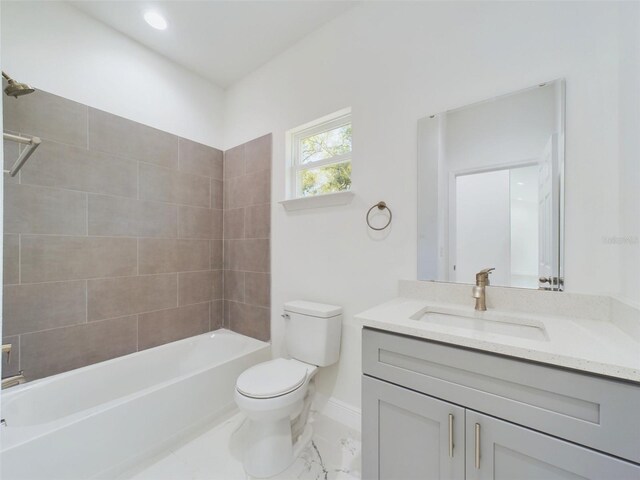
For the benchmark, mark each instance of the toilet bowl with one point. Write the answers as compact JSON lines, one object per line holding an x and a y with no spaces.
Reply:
{"x":276,"y":395}
{"x":272,"y":395}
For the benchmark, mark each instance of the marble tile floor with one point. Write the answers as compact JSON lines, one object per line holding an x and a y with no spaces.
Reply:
{"x":333,"y":454}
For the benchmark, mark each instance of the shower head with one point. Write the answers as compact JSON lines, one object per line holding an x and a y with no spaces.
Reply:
{"x":16,"y":89}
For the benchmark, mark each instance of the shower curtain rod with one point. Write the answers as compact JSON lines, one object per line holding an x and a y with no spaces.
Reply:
{"x":32,"y":142}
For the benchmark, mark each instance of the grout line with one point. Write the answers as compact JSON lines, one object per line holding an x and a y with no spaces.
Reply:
{"x":109,"y":278}
{"x":112,"y":195}
{"x":78,"y":190}
{"x":164,"y":167}
{"x":244,"y":286}
{"x":77,"y":280}
{"x":81,"y":324}
{"x":87,"y":213}
{"x":117,"y":155}
{"x":178,"y":222}
{"x":178,"y":151}
{"x":87,"y":107}
{"x":223,"y":322}
{"x":133,"y":314}
{"x":93,"y":322}
{"x":19,"y":352}
{"x":64,"y":144}
{"x":249,"y":304}
{"x":19,"y":258}
{"x":137,"y":180}
{"x":19,"y":171}
{"x":247,"y":271}
{"x":86,"y":301}
{"x":142,"y":237}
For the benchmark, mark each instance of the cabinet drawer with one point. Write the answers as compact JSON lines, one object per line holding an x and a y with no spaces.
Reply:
{"x":588,"y":410}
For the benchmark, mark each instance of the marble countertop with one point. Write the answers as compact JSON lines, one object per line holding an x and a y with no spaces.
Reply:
{"x":597,"y":346}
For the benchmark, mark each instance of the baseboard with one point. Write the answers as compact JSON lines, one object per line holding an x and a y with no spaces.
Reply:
{"x":338,"y":410}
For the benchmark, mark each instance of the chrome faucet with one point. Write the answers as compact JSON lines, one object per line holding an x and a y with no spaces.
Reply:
{"x":482,"y":281}
{"x":14,"y":379}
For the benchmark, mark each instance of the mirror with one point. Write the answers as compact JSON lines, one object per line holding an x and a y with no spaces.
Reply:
{"x":490,"y":190}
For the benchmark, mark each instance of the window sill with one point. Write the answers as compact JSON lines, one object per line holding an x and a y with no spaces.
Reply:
{"x":318,"y":201}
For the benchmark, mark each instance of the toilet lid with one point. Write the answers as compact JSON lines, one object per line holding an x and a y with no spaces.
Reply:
{"x":271,"y":379}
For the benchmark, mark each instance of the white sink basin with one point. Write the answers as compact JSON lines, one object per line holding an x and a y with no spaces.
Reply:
{"x":486,"y":322}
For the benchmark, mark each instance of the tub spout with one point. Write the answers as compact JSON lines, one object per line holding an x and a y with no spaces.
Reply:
{"x":13,"y":381}
{"x":6,"y":348}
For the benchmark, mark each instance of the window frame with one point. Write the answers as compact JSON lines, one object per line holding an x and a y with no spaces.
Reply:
{"x":295,"y":137}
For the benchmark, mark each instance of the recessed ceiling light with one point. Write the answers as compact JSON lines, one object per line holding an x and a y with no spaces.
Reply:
{"x":520,"y":183}
{"x":156,"y":20}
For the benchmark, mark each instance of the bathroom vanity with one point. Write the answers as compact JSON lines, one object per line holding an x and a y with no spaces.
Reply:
{"x":450,"y":393}
{"x":528,"y":383}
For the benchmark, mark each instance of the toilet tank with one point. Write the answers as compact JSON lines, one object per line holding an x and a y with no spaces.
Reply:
{"x":312,"y":332}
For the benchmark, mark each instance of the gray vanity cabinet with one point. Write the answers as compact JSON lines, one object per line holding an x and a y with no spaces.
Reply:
{"x":499,"y":450}
{"x":537,"y":422}
{"x":410,"y":436}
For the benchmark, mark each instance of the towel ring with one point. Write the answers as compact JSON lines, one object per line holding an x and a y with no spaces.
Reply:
{"x":380,"y":206}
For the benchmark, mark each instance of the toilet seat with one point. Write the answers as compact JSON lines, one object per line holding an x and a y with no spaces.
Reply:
{"x":272,"y":379}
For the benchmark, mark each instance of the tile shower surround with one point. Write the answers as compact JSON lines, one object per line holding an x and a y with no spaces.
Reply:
{"x":246,"y":233}
{"x":114,"y":238}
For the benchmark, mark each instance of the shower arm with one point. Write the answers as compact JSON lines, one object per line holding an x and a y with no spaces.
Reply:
{"x":32,"y":144}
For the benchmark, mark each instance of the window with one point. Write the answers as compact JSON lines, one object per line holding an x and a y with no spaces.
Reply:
{"x":321,"y":156}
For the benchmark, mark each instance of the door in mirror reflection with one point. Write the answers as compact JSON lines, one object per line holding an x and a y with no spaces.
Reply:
{"x":490,"y":189}
{"x":496,"y":218}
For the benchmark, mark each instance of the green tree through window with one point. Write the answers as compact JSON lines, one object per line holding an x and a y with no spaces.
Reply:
{"x":335,"y":177}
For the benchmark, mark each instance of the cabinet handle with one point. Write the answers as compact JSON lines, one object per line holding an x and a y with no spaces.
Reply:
{"x":451,"y":435}
{"x":477,"y":446}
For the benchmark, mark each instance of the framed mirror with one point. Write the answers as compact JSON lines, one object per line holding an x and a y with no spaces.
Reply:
{"x":491,"y":188}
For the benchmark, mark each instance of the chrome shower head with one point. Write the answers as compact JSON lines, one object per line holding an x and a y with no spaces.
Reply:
{"x":16,"y":89}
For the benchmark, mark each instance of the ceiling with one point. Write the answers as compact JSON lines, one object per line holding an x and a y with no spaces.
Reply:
{"x":221,"y":40}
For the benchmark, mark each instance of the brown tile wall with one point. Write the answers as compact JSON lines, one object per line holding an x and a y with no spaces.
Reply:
{"x":246,"y":232}
{"x":114,"y":238}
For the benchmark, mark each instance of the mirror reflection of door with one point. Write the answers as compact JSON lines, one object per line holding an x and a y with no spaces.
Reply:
{"x":496,"y":225}
{"x":548,"y":215}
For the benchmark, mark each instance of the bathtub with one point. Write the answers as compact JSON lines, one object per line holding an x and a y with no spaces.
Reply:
{"x":98,"y":420}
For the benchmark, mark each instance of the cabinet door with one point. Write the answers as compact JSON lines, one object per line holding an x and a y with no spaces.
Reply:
{"x":503,"y":451}
{"x":408,"y":435}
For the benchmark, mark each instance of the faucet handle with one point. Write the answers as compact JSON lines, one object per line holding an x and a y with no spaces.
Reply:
{"x":483,"y":276}
{"x":6,"y":348}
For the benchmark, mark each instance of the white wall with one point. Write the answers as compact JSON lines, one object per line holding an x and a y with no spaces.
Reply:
{"x":507,"y":130}
{"x":56,"y":48}
{"x":629,"y":126}
{"x":395,"y":63}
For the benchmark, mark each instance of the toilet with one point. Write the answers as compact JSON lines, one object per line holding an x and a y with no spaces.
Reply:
{"x":276,"y":395}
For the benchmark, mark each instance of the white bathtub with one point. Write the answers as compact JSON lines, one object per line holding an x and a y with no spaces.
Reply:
{"x":96,"y":420}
